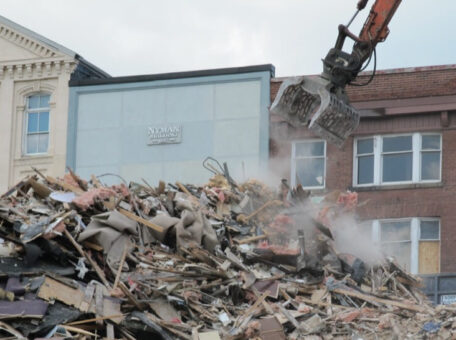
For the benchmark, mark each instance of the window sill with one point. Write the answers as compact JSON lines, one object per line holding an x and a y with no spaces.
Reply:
{"x":43,"y":158}
{"x":398,"y":187}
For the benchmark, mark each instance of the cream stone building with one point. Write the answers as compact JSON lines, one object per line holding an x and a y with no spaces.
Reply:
{"x":34,"y":92}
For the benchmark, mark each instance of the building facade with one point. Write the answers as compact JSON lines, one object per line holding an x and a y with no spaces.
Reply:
{"x":162,"y":127}
{"x":400,"y":160}
{"x":34,"y":76}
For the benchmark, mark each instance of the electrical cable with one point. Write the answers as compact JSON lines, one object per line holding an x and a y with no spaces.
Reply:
{"x":374,"y":53}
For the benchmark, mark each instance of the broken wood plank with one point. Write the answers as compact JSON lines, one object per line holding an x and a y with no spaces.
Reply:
{"x":119,"y":270}
{"x":250,"y":239}
{"x":96,"y":183}
{"x":251,"y":309}
{"x":66,"y":186}
{"x":130,"y":296}
{"x":81,"y":322}
{"x":370,"y":298}
{"x":79,"y":330}
{"x":40,"y":189}
{"x":92,"y":246}
{"x":91,"y":261}
{"x":266,"y":305}
{"x":141,"y":220}
{"x":288,"y":315}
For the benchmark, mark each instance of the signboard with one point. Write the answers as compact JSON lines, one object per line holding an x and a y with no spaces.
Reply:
{"x":165,"y":134}
{"x":448,"y":299}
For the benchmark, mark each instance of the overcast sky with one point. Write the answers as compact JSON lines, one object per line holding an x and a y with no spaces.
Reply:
{"x":151,"y":36}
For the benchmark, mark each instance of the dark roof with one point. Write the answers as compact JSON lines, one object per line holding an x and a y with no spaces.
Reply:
{"x":175,"y":75}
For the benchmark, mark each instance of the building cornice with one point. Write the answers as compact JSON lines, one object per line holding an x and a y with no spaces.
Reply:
{"x":34,"y":46}
{"x":33,"y":69}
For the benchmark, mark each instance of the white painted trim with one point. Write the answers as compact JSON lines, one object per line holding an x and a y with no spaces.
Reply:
{"x":25,"y":125}
{"x":376,"y":231}
{"x":378,"y":160}
{"x":294,"y":158}
{"x":416,"y":161}
{"x":414,"y":231}
{"x":421,"y":153}
{"x":415,"y":226}
{"x":293,"y":165}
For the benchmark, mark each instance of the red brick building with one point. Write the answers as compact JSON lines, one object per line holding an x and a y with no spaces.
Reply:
{"x":401,"y":160}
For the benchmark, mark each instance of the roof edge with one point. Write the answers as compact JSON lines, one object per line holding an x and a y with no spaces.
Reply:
{"x":37,"y":36}
{"x":175,"y":75}
{"x":413,"y":69}
{"x":94,"y":68}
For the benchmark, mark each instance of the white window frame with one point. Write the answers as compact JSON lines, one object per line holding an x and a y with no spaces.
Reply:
{"x":25,"y":133}
{"x":378,"y":159}
{"x":415,"y":236}
{"x":420,"y":158}
{"x":294,"y":158}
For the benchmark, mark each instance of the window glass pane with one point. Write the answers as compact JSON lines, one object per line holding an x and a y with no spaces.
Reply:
{"x":44,"y":101}
{"x":397,"y":167}
{"x":309,"y":149}
{"x":395,"y":231}
{"x":365,"y":146}
{"x":400,"y":143}
{"x":365,"y":169}
{"x":430,"y":165}
{"x":32,"y":143}
{"x":430,"y":142}
{"x":43,"y":142}
{"x":33,"y":102}
{"x":44,"y":122}
{"x":400,"y":251}
{"x":32,"y":124}
{"x":429,"y":230}
{"x":310,"y":172}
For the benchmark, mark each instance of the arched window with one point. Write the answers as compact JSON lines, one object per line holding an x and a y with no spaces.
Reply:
{"x":37,"y":124}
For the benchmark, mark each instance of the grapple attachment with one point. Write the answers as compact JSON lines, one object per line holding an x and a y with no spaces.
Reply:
{"x":306,"y":101}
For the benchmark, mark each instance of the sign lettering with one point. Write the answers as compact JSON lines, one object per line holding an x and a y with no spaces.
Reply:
{"x":169,"y":134}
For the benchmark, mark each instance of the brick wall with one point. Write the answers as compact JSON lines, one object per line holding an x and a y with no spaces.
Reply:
{"x":434,"y":201}
{"x":399,"y":83}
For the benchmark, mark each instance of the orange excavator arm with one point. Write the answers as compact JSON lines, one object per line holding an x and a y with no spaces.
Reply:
{"x":341,"y":68}
{"x":376,"y":26}
{"x":320,"y":103}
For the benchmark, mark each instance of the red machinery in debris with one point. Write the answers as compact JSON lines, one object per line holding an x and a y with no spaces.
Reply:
{"x":321,"y":102}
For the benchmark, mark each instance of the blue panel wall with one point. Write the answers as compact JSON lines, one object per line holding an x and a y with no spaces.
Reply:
{"x":223,"y":116}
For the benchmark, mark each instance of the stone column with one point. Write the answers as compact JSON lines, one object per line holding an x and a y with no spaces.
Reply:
{"x":6,"y":126}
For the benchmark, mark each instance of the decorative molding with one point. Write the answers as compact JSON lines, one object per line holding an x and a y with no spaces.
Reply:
{"x":19,"y":71}
{"x":29,"y":70}
{"x":35,"y":87}
{"x":39,"y":69}
{"x":26,"y":42}
{"x":67,"y":67}
{"x":58,"y":67}
{"x":48,"y":68}
{"x":10,"y":71}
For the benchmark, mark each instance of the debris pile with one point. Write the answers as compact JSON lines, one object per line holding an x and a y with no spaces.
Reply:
{"x":221,"y":261}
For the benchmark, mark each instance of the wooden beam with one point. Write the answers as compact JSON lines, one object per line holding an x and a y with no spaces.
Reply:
{"x":141,"y":220}
{"x":370,"y":298}
{"x":91,"y":261}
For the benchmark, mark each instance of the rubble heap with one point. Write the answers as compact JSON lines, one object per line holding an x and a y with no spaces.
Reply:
{"x":221,"y":261}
